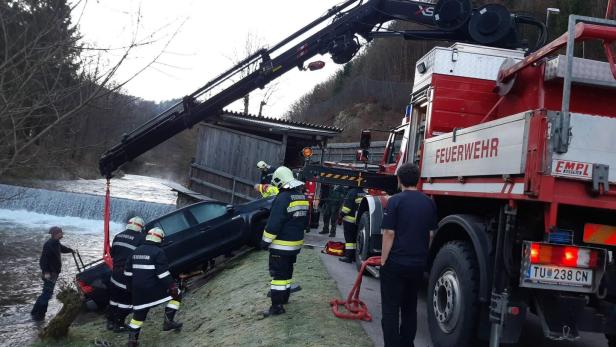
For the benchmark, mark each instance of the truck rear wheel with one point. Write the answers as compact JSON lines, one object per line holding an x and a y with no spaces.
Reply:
{"x":363,"y":240}
{"x":452,"y":295}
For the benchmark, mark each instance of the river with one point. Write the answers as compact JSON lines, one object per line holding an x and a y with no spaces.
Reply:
{"x":23,"y":233}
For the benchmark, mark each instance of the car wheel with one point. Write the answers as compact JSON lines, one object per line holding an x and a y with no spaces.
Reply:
{"x":611,"y":340}
{"x":363,"y":240}
{"x":453,"y":296}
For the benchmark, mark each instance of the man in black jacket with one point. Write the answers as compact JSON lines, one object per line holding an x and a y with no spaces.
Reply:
{"x":284,"y":236}
{"x":120,"y":303}
{"x":151,"y":285}
{"x":407,"y":221}
{"x":51,"y":265}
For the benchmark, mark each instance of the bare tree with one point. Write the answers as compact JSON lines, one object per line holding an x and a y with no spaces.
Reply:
{"x":252,"y":44}
{"x":48,"y":76}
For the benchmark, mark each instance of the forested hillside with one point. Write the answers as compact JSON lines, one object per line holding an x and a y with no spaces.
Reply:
{"x":60,"y":106}
{"x":373,"y":89}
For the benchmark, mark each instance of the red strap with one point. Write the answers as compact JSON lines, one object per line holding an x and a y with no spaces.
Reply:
{"x":107,"y":214}
{"x":355,"y":308}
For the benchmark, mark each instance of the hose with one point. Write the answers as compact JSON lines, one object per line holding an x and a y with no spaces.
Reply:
{"x":356,"y":309}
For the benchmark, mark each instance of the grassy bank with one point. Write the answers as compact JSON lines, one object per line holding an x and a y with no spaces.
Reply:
{"x":226,"y":312}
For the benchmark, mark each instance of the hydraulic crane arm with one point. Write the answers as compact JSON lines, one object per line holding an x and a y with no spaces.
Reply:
{"x":448,"y":19}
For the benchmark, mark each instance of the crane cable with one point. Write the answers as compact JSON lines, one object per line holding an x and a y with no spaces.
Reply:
{"x":107,"y":214}
{"x":356,"y":309}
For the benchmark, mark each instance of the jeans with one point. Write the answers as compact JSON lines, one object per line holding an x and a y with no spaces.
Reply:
{"x":399,"y":285}
{"x":40,"y":306}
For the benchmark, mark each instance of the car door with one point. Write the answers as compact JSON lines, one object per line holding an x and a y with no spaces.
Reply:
{"x":219,"y":228}
{"x":180,"y":235}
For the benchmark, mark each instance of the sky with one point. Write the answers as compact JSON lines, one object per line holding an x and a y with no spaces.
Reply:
{"x":204,"y":39}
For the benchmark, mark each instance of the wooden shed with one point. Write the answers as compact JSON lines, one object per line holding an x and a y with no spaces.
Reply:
{"x":224,"y":166}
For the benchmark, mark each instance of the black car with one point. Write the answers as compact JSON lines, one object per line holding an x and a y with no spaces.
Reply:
{"x":194,"y":235}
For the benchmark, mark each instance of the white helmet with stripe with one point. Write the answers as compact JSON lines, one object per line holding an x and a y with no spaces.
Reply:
{"x":135,"y":224}
{"x":155,"y":235}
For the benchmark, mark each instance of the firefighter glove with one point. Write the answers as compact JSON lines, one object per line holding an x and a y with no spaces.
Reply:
{"x":265,"y":245}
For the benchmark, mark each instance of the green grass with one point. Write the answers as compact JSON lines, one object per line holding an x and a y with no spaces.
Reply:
{"x":226,"y":312}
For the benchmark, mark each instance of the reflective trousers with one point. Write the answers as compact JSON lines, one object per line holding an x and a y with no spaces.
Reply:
{"x":281,"y":270}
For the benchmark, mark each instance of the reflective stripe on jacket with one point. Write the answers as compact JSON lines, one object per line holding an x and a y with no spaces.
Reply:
{"x":148,"y":269}
{"x":351,"y":204}
{"x":287,"y":221}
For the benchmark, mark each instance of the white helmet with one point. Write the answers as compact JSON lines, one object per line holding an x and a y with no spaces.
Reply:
{"x":262,"y":165}
{"x":283,"y":178}
{"x":155,"y":235}
{"x":135,"y":224}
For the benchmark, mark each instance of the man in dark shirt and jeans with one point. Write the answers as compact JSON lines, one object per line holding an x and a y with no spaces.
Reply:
{"x":408,"y":219}
{"x":51,"y":265}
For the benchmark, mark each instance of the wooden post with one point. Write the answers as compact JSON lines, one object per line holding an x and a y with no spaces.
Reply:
{"x":283,"y":148}
{"x":233,"y":191}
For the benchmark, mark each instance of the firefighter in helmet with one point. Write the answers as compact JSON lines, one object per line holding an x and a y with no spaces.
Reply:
{"x":284,"y":236}
{"x":151,"y":285}
{"x":348,"y":213}
{"x":266,"y":172}
{"x":120,"y":303}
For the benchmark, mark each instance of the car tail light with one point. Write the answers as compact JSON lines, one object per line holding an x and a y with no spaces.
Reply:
{"x":567,"y":256}
{"x":85,"y":288}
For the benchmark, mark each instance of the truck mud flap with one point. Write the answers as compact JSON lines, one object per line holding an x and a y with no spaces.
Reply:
{"x":563,"y":316}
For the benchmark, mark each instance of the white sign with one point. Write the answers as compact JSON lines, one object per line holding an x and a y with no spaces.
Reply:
{"x":492,"y":148}
{"x":570,"y":168}
{"x":592,"y":141}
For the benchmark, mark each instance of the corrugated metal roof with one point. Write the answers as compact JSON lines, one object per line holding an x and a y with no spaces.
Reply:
{"x":281,"y":123}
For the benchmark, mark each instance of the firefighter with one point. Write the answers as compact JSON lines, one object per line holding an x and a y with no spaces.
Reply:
{"x":266,"y":190}
{"x":284,"y":236}
{"x":266,"y":172}
{"x":51,"y":265}
{"x":348,"y":213}
{"x":151,"y":285}
{"x":122,"y":248}
{"x":330,"y":208}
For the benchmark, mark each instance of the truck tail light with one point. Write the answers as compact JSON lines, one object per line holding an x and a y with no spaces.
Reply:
{"x":567,"y":256}
{"x":85,"y":288}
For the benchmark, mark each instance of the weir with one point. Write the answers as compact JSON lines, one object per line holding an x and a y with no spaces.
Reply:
{"x":88,"y":206}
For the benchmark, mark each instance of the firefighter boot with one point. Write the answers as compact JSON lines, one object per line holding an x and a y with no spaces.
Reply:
{"x":133,"y":337}
{"x":349,"y":256}
{"x":332,"y":232}
{"x":119,"y":325}
{"x":169,"y":323}
{"x":274,"y":310}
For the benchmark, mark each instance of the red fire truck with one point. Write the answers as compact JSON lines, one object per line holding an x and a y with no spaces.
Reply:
{"x":519,"y":154}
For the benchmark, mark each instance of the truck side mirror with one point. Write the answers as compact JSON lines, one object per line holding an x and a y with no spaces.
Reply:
{"x":364,"y":141}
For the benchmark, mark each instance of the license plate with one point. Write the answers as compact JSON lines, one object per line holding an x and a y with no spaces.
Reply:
{"x":560,"y":275}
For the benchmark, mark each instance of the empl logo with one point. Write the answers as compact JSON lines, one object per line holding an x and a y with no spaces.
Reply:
{"x":570,"y":168}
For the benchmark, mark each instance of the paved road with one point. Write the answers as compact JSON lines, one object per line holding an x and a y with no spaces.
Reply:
{"x":345,"y":275}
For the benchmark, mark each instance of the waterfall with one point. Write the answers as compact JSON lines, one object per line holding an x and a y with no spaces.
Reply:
{"x":81,"y":205}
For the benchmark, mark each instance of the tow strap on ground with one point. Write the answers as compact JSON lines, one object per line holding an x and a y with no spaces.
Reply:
{"x":107,"y":215}
{"x":356,"y":309}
